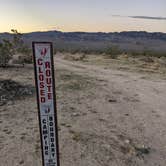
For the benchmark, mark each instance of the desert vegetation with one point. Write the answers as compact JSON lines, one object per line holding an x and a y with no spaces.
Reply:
{"x":128,"y":46}
{"x":15,"y":46}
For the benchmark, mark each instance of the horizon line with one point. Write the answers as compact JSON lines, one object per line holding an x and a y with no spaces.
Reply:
{"x":84,"y":31}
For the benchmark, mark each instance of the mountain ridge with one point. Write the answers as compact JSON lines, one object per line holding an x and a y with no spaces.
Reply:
{"x":126,"y":40}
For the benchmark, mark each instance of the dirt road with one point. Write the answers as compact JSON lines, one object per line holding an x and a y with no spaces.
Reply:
{"x":106,"y":118}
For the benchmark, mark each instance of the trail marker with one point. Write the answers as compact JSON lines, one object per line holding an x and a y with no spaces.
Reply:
{"x":46,"y":100}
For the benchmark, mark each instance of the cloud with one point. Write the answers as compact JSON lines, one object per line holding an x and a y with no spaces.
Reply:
{"x":142,"y":17}
{"x":147,"y":17}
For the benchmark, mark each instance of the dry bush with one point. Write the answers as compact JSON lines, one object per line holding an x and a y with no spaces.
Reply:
{"x":147,"y":59}
{"x":75,"y":57}
{"x":14,"y":46}
{"x":162,"y":61}
{"x":113,"y":52}
{"x":25,"y":59}
{"x":6,"y":52}
{"x":21,"y":59}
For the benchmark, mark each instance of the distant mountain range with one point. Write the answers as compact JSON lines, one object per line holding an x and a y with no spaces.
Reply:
{"x":133,"y":40}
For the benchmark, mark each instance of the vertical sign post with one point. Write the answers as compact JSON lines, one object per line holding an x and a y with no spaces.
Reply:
{"x":45,"y":88}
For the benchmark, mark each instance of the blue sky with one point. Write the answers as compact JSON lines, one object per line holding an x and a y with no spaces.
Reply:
{"x":83,"y":15}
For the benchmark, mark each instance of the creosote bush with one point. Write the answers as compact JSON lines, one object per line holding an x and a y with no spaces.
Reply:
{"x":113,"y":52}
{"x":8,"y":48}
{"x":6,"y":52}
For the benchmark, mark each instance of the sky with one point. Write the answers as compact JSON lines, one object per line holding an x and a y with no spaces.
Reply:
{"x":83,"y":15}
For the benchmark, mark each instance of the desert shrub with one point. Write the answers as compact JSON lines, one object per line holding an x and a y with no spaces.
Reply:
{"x":26,"y":55}
{"x":14,"y":46}
{"x":147,"y":59}
{"x":134,"y":53}
{"x":162,"y":61}
{"x":74,"y":51}
{"x":113,"y":52}
{"x":25,"y":58}
{"x":75,"y":57}
{"x":6,"y":52}
{"x":156,"y":54}
{"x":17,"y":41}
{"x":20,"y":47}
{"x":147,"y":53}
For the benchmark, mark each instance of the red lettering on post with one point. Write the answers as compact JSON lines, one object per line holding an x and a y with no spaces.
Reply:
{"x":48,"y":73}
{"x":41,"y":84}
{"x":49,"y":96}
{"x":41,"y":77}
{"x":49,"y":88}
{"x":48,"y":81}
{"x":42,"y":92}
{"x":40,"y":70}
{"x":48,"y":65}
{"x":40,"y":62}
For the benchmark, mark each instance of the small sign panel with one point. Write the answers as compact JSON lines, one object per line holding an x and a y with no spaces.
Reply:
{"x":45,"y":86}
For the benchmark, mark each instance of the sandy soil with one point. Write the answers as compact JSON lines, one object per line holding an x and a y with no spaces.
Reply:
{"x":106,"y":117}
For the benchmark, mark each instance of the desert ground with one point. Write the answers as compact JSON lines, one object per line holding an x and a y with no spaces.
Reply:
{"x":110,"y":113}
